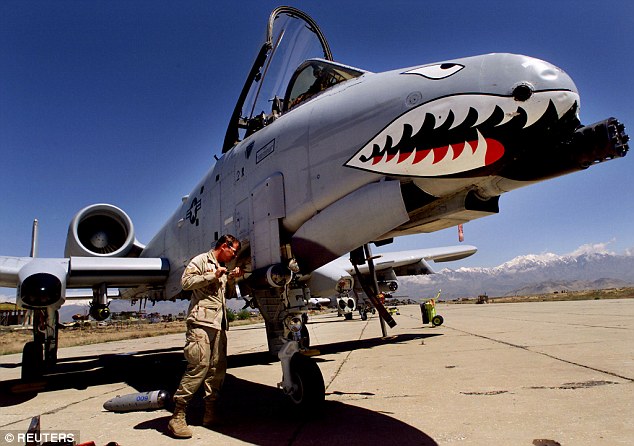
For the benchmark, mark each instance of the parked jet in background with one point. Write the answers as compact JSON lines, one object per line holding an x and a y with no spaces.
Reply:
{"x":339,"y":281}
{"x":319,"y":160}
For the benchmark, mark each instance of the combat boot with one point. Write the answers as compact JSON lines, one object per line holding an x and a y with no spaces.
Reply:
{"x":212,"y":416}
{"x":178,"y":424}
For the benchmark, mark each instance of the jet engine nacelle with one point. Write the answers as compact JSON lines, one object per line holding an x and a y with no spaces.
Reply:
{"x":42,"y":283}
{"x":101,"y":230}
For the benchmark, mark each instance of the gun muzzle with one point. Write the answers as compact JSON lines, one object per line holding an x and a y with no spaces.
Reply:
{"x":601,"y":141}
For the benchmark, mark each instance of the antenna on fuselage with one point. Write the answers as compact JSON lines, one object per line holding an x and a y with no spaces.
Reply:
{"x":34,"y":238}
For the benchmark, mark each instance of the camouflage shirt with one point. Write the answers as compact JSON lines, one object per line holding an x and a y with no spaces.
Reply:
{"x":208,"y":302}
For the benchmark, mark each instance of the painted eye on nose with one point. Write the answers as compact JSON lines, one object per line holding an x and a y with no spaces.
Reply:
{"x":437,"y":71}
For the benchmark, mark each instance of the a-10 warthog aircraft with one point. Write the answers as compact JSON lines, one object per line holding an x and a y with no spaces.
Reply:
{"x":319,"y":160}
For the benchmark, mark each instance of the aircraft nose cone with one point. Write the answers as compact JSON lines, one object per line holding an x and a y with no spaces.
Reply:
{"x":542,"y":75}
{"x":518,"y":75}
{"x":475,"y":118}
{"x":542,"y":70}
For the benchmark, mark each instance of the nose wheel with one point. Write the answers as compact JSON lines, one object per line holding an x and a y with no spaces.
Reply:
{"x":308,"y":389}
{"x":302,"y":380}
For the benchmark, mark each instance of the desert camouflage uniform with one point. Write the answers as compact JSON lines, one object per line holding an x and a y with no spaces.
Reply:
{"x":206,"y":337}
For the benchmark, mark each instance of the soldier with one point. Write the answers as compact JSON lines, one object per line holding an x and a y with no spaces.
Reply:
{"x":206,"y":339}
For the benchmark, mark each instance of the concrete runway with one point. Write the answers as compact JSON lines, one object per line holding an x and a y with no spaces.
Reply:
{"x":499,"y":374}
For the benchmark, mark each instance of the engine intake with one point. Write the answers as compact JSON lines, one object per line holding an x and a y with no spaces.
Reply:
{"x":100,"y":230}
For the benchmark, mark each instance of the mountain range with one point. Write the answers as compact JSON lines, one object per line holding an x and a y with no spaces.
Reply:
{"x":586,"y":268}
{"x":589,"y":267}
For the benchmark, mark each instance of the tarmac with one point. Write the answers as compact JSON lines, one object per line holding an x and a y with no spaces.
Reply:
{"x":541,"y":373}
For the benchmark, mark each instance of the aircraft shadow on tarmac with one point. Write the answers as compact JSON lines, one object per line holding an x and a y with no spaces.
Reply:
{"x":132,"y":367}
{"x":359,"y":344}
{"x":261,"y":415}
{"x":256,"y":413}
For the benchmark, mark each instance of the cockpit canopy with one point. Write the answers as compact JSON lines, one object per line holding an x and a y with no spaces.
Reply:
{"x":293,"y":65}
{"x":314,"y":76}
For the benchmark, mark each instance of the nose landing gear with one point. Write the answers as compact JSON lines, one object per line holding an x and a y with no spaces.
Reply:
{"x":302,"y":380}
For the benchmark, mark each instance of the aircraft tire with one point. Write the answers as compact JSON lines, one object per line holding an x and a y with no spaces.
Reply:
{"x":437,"y":320}
{"x":310,"y":392}
{"x":32,"y":360}
{"x":347,"y":316}
{"x":364,"y":316}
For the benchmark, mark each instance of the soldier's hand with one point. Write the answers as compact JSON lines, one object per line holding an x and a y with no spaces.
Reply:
{"x":236,"y":272}
{"x":220,"y":272}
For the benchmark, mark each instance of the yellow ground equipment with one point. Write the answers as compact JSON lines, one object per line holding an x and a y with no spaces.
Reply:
{"x":428,"y":310}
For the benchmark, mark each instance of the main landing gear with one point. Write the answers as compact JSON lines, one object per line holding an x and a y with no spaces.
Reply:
{"x":41,"y":353}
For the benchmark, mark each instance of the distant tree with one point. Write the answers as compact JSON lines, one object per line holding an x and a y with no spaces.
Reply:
{"x":243,"y":315}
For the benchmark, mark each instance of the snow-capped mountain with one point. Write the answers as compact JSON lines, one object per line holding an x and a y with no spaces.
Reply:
{"x":589,"y":267}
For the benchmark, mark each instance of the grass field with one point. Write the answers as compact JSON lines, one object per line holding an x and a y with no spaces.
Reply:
{"x":12,"y":340}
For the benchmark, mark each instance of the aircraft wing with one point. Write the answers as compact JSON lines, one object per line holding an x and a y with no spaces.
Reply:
{"x":414,"y":262}
{"x":9,"y":269}
{"x":79,"y":272}
{"x":322,"y":281}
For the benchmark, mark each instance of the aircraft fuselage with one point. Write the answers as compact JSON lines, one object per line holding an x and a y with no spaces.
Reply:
{"x":453,"y":135}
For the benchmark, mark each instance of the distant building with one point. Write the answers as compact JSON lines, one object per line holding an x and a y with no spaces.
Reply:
{"x":11,"y":314}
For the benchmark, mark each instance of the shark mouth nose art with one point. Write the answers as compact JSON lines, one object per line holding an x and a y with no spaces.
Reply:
{"x":450,"y":135}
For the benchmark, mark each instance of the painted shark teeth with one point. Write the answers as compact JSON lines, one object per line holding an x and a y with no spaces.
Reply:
{"x":401,"y":148}
{"x":444,"y":160}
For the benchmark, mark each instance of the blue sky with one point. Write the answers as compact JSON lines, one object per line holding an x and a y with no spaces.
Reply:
{"x":127,"y":102}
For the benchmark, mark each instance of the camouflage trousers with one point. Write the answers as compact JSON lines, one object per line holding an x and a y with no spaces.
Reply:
{"x":206,"y":355}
